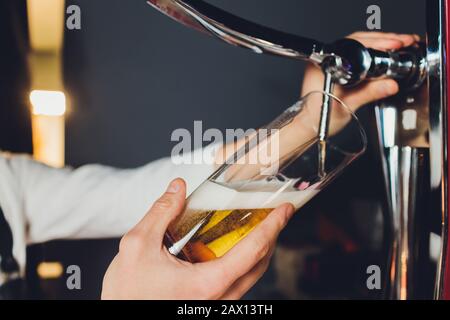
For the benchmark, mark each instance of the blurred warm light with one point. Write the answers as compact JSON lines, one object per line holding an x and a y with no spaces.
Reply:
{"x":48,"y":127}
{"x":48,"y":103}
{"x":48,"y":139}
{"x":46,"y":24}
{"x":50,"y":270}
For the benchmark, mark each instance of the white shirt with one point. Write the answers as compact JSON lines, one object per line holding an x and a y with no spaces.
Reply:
{"x":94,"y":201}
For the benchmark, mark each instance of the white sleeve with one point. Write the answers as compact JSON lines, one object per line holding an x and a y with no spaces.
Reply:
{"x":92,"y":201}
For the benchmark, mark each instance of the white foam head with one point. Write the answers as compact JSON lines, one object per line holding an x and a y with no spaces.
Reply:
{"x":254,"y":195}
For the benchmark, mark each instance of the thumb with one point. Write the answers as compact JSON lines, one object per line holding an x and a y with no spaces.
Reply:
{"x":164,"y":210}
{"x":369,"y":92}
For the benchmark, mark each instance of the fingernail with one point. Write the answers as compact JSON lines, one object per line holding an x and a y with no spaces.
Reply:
{"x":174,"y":187}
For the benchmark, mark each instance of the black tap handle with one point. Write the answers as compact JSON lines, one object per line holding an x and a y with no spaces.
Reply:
{"x":347,"y":60}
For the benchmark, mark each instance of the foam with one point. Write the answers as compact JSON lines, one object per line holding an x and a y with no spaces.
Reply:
{"x":214,"y":196}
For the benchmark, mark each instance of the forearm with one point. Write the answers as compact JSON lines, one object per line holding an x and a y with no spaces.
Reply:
{"x":92,"y":201}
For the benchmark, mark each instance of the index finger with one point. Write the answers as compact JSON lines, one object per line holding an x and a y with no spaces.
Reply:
{"x":385,"y":35}
{"x":381,"y":44}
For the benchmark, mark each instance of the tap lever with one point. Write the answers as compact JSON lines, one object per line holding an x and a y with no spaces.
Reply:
{"x":234,"y":30}
{"x":354,"y":62}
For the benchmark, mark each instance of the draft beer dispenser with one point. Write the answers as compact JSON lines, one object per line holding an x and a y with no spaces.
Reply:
{"x":412,"y":126}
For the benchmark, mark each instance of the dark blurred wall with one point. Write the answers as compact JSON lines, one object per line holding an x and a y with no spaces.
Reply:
{"x":15,"y":125}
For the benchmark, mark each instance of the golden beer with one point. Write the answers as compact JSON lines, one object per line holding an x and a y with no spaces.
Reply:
{"x":222,"y":229}
{"x":207,"y":233}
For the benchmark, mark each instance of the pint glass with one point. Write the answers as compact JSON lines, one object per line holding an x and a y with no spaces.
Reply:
{"x":283,"y":162}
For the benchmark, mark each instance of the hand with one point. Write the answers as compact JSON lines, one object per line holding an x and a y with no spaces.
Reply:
{"x":368,"y":91}
{"x":354,"y":98}
{"x":144,"y":269}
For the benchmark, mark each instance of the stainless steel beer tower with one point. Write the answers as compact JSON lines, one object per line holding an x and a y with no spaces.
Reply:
{"x":410,"y":125}
{"x":404,"y":147}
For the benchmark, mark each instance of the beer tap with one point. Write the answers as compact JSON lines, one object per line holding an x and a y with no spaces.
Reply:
{"x":347,"y":62}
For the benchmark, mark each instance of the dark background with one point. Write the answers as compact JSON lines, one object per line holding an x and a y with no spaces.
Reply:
{"x":133,"y":76}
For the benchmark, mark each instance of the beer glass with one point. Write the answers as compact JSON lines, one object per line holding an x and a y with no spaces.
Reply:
{"x":283,"y":162}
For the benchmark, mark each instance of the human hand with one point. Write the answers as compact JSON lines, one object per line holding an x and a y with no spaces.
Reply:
{"x":368,"y":91}
{"x":144,"y":269}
